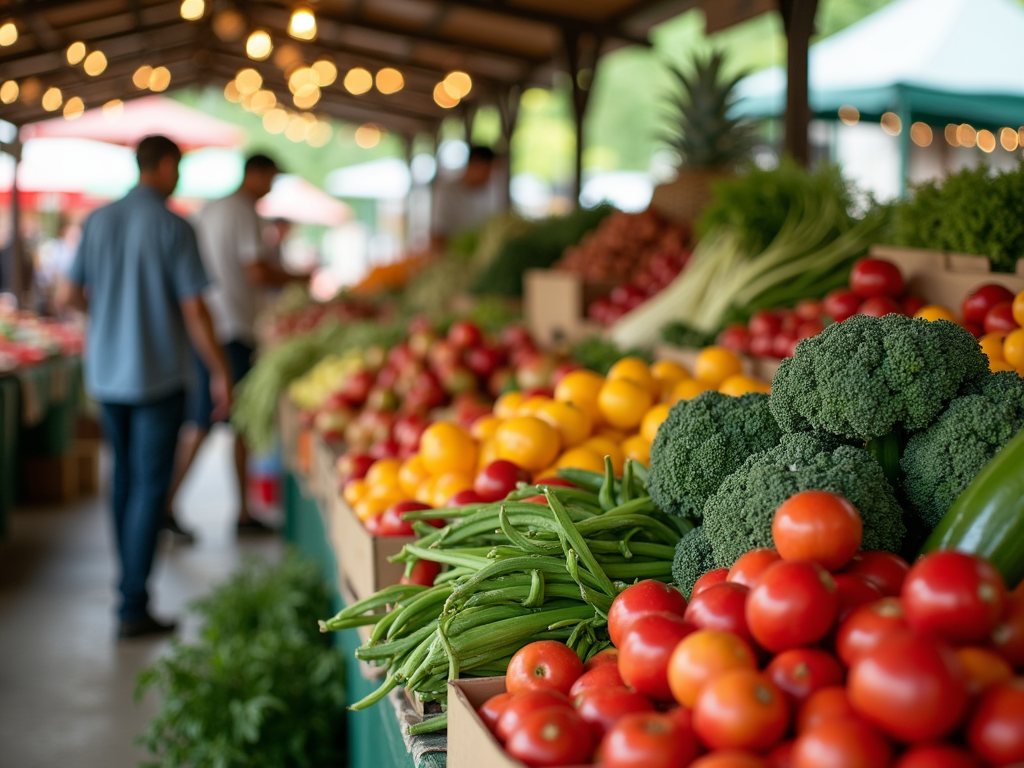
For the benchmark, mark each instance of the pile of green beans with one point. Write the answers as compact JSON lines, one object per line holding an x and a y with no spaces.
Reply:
{"x":517,"y":572}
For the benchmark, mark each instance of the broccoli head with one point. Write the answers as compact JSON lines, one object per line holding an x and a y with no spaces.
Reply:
{"x":865,"y":377}
{"x":701,"y":442}
{"x":692,"y":560}
{"x":940,"y":462}
{"x":738,"y":517}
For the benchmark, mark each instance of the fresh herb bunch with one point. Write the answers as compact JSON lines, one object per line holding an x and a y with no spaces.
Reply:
{"x":974,"y":212}
{"x":683,"y":335}
{"x":262,"y":688}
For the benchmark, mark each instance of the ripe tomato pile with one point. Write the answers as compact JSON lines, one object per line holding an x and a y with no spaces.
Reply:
{"x":807,"y":655}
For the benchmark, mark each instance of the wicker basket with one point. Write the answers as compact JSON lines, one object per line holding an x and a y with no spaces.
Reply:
{"x":683,"y":200}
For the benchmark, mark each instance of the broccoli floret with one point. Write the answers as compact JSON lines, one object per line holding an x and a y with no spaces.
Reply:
{"x":738,"y":517}
{"x":865,"y":377}
{"x":693,"y":559}
{"x":701,"y":442}
{"x":941,"y":462}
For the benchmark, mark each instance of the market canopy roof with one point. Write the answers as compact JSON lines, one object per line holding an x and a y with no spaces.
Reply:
{"x":502,"y":44}
{"x":939,"y":61}
{"x":189,"y":128}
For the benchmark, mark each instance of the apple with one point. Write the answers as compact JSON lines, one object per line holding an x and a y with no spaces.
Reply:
{"x":382,"y":399}
{"x":420,"y":343}
{"x":385,"y":449}
{"x":598,"y":310}
{"x":464,"y":334}
{"x":457,"y":380}
{"x":468,"y":409}
{"x":420,"y":324}
{"x":400,"y":355}
{"x":357,"y":385}
{"x":332,"y":424}
{"x":522,"y":355}
{"x":483,"y":361}
{"x":790,"y":320}
{"x":516,"y":336}
{"x":353,"y":466}
{"x":444,"y":355}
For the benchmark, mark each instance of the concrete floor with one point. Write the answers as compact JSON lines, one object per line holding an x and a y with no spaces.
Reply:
{"x":66,"y":685}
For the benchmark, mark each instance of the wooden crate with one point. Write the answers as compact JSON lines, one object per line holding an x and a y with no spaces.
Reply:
{"x":555,"y":306}
{"x":946,"y":278}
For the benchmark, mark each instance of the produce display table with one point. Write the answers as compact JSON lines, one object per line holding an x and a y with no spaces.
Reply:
{"x":9,"y":400}
{"x":374,"y":737}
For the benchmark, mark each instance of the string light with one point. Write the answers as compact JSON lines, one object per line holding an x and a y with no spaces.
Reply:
{"x":891,"y":123}
{"x":1009,"y":139}
{"x":921,"y":134}
{"x":229,"y":24}
{"x":390,"y":81}
{"x":966,"y":136}
{"x":248,"y":81}
{"x":160,"y":79}
{"x":326,"y":72}
{"x":275,"y":121}
{"x":442,"y":98}
{"x":231,"y":93}
{"x":262,"y":102}
{"x":307,"y":99}
{"x":302,"y":25}
{"x":74,"y":108}
{"x":8,"y":34}
{"x":849,"y":115}
{"x":141,"y":77}
{"x":367,"y":136}
{"x":9,"y":92}
{"x":52,"y":99}
{"x":192,"y":10}
{"x":303,"y":81}
{"x":75,"y":53}
{"x":319,"y":134}
{"x":31,"y":89}
{"x":986,"y":141}
{"x":95,"y":63}
{"x":296,"y":129}
{"x":358,"y":81}
{"x":458,"y":85}
{"x":259,"y":45}
{"x":113,"y":110}
{"x":950,"y":134}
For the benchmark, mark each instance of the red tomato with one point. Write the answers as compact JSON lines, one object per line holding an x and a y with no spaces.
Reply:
{"x":601,"y":658}
{"x":819,"y":526}
{"x":781,"y":756}
{"x":603,"y":676}
{"x":498,"y":479}
{"x":829,"y":703}
{"x":372,"y":524}
{"x":801,"y":671}
{"x":1000,"y":319}
{"x":649,"y":740}
{"x":880,"y":306}
{"x":761,"y":346}
{"x":809,"y":309}
{"x":511,"y":719}
{"x":867,"y":627}
{"x":765,"y":323}
{"x":722,"y":607}
{"x":911,"y":687}
{"x":391,"y":522}
{"x":885,"y":569}
{"x":982,"y":299}
{"x":975,"y":329}
{"x":996,"y":730}
{"x":1008,"y":636}
{"x":841,"y":304}
{"x":983,"y":669}
{"x":793,"y":604}
{"x":937,"y":756}
{"x":911,"y":305}
{"x":709,"y":579}
{"x":644,"y":654}
{"x":954,"y":596}
{"x":876,"y":277}
{"x":740,"y":709}
{"x":748,"y":569}
{"x":730,"y":758}
{"x":853,"y":591}
{"x":602,"y":708}
{"x":462,"y":498}
{"x":423,"y":572}
{"x":784,"y":344}
{"x":551,"y":737}
{"x":545,"y":665}
{"x":643,"y":597}
{"x":735,"y":337}
{"x":463,"y":334}
{"x":491,"y":710}
{"x":841,"y":744}
{"x":809,"y":329}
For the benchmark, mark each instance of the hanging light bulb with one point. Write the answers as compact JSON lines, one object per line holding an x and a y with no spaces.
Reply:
{"x":74,"y":108}
{"x":76,"y":52}
{"x":141,"y":77}
{"x":113,"y":110}
{"x":160,"y":79}
{"x":302,"y":25}
{"x":8,"y":34}
{"x":192,"y":10}
{"x":259,"y":45}
{"x":390,"y":80}
{"x":326,"y":71}
{"x":95,"y":63}
{"x":9,"y":92}
{"x":52,"y":99}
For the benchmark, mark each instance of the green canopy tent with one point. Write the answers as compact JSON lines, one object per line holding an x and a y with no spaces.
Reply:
{"x":933,"y":61}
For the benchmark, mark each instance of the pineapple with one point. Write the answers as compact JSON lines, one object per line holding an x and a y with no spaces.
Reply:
{"x":705,"y":136}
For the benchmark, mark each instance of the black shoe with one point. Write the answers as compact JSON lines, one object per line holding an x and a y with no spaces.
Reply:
{"x":144,"y":627}
{"x":179,"y":533}
{"x":252,"y":525}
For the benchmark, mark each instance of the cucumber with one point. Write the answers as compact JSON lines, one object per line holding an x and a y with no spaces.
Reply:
{"x":987,"y":519}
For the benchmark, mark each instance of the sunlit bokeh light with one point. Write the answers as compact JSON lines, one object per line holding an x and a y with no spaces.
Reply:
{"x":302,"y":25}
{"x":73,"y":108}
{"x":113,"y":110}
{"x":443,"y":98}
{"x":9,"y":92}
{"x":921,"y":134}
{"x":849,"y":115}
{"x":52,"y":99}
{"x":296,"y":129}
{"x":1009,"y":139}
{"x":95,"y":63}
{"x":950,"y":134}
{"x":160,"y":79}
{"x":319,"y":134}
{"x":966,"y":136}
{"x":308,"y":99}
{"x":262,"y":102}
{"x":75,"y":53}
{"x":248,"y":80}
{"x":229,"y":24}
{"x":192,"y":10}
{"x":31,"y":90}
{"x":231,"y":92}
{"x":259,"y":45}
{"x":326,"y":72}
{"x":390,"y":80}
{"x":358,"y":81}
{"x":458,"y":85}
{"x":286,"y":56}
{"x":8,"y":34}
{"x":303,"y":80}
{"x":891,"y":123}
{"x":141,"y":76}
{"x":367,"y":136}
{"x":275,"y":121}
{"x":986,"y":141}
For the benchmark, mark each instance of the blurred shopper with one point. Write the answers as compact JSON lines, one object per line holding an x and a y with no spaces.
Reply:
{"x":467,"y":202}
{"x":139,"y":276}
{"x":240,"y":266}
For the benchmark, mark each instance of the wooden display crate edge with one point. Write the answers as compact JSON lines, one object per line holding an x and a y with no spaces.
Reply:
{"x":555,"y":306}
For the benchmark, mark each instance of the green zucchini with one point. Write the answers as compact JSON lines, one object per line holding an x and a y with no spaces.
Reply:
{"x":987,"y":519}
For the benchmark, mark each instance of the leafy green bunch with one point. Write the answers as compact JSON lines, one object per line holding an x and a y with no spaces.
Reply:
{"x":262,"y":688}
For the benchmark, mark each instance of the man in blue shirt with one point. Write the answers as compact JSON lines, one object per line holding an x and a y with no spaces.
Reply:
{"x":139,"y":275}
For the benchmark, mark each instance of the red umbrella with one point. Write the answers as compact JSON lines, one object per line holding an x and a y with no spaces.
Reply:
{"x":187,"y":127}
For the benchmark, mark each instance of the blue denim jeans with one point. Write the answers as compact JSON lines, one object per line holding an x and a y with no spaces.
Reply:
{"x":143,"y":438}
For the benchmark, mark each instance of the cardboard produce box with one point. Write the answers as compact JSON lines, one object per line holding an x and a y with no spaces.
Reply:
{"x":289,"y":424}
{"x":362,"y":557}
{"x":323,"y":479}
{"x":555,"y":306}
{"x":470,"y":744}
{"x":946,"y":278}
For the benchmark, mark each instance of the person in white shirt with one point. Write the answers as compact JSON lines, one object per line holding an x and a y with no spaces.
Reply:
{"x":467,"y":202}
{"x":240,"y":266}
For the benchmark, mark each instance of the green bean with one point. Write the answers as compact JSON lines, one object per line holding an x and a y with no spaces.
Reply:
{"x":606,"y":496}
{"x":626,"y":486}
{"x":584,"y":478}
{"x":579,"y":545}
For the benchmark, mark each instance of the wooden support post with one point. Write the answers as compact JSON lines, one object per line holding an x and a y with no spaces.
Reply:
{"x":12,"y":266}
{"x":508,"y":111}
{"x":582,"y":51}
{"x":798,"y":18}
